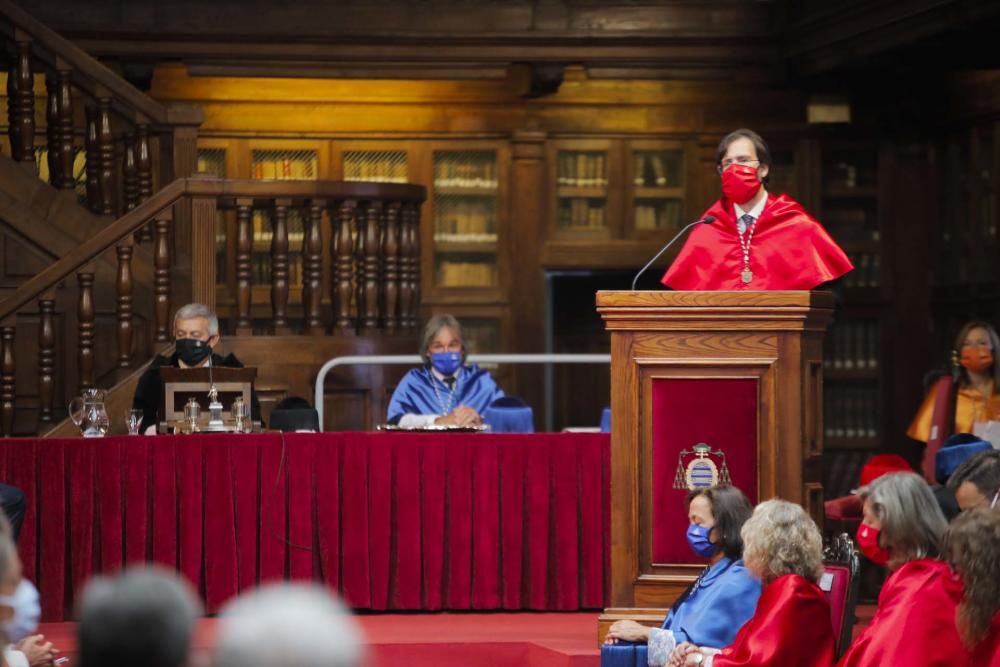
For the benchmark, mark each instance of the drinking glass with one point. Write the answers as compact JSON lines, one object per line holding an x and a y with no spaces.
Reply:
{"x":133,"y":420}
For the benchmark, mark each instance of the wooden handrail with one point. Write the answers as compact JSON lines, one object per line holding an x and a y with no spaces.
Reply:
{"x":194,"y":187}
{"x":92,"y":76}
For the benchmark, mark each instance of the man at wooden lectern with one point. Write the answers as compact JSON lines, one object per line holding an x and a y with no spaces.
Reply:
{"x":196,"y":333}
{"x":757,"y":241}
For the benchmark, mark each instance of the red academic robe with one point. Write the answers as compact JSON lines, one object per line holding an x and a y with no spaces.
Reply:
{"x":987,"y":652}
{"x":914,"y":623}
{"x":789,"y":250}
{"x":791,"y":626}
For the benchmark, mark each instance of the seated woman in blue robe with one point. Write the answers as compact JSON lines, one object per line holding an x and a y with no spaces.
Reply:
{"x":444,"y":391}
{"x":722,"y":599}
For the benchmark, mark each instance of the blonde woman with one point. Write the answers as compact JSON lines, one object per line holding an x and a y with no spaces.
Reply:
{"x":915,"y":620}
{"x":791,"y":625}
{"x":972,"y":545}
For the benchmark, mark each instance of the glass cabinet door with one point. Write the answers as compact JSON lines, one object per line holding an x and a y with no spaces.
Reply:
{"x":465,"y":202}
{"x":658,"y":189}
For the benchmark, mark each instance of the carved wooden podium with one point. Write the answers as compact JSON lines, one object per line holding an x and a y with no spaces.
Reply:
{"x":705,"y":387}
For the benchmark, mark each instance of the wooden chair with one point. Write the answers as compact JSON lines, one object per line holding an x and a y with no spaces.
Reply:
{"x":841,"y":582}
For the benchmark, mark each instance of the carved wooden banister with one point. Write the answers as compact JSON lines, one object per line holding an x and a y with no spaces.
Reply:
{"x":372,"y":285}
{"x":90,"y":75}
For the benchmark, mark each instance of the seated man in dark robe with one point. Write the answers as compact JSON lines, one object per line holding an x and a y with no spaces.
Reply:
{"x":196,"y":333}
{"x":444,"y":391}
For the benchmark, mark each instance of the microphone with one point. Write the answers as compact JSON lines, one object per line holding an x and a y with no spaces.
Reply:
{"x":708,"y":219}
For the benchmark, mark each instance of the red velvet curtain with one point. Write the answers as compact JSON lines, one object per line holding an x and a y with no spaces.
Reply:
{"x":391,"y":521}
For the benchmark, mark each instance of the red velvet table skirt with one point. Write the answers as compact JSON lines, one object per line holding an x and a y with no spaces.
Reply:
{"x":390,"y":520}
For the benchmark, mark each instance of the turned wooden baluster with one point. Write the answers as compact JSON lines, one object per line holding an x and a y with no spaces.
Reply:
{"x":105,"y":158}
{"x":90,"y":151}
{"x":130,"y":176}
{"x":369,"y":255}
{"x":343,"y":271}
{"x":161,"y":279}
{"x":67,"y":140}
{"x":279,"y":266}
{"x":46,"y":357}
{"x":244,"y":256}
{"x":21,"y":103}
{"x":312,"y":269}
{"x":143,"y":162}
{"x":53,"y":142}
{"x":85,"y":316}
{"x":7,"y":381}
{"x":124,"y":285}
{"x":390,"y":267}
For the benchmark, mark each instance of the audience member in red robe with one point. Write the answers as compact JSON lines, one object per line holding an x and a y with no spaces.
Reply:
{"x":914,"y":623}
{"x":757,"y":241}
{"x":972,"y":545}
{"x":791,"y":625}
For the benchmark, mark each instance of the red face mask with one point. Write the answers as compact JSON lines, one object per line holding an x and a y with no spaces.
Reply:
{"x":740,"y":183}
{"x":976,"y":359}
{"x":868,"y":543}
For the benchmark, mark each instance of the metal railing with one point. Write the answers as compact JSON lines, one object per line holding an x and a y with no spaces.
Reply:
{"x":415,"y":360}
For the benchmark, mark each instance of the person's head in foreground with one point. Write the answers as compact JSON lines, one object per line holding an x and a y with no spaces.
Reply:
{"x":287,"y":625}
{"x":976,"y":482}
{"x":716,"y":515}
{"x":442,"y":346}
{"x":901,"y":520}
{"x":143,"y":616}
{"x":196,"y":333}
{"x":779,"y":539}
{"x":972,"y":546}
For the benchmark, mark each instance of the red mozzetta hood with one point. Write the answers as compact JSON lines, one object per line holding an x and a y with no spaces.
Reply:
{"x":790,"y":250}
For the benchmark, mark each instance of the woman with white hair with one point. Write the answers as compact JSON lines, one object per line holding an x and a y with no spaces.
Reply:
{"x":445,"y":391}
{"x":915,"y":620}
{"x":791,"y":625}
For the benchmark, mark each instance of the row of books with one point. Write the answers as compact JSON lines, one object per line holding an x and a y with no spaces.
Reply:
{"x":263,"y":232}
{"x":852,"y":346}
{"x":582,"y":213}
{"x":466,"y":173}
{"x":850,"y":175}
{"x":867,"y":270}
{"x":465,"y":216}
{"x":260,"y":270}
{"x":850,"y":412}
{"x":296,"y":169}
{"x":665,"y":215}
{"x":658,"y":169}
{"x":581,"y":169}
{"x":375,"y":167}
{"x":851,"y":225}
{"x":444,"y":237}
{"x":466,"y":274}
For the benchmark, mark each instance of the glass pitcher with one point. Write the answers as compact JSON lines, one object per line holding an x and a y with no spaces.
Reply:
{"x":88,"y":413}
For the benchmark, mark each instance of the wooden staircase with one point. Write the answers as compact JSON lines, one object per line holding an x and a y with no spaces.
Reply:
{"x":103,"y":255}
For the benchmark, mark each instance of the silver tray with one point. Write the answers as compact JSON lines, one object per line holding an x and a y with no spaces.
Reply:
{"x":434,"y":427}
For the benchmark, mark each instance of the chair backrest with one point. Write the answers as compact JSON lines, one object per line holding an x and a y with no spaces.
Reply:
{"x":509,"y":415}
{"x":840,"y":582}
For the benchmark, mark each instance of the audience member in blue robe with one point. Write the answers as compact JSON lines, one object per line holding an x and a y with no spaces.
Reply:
{"x":723,"y":598}
{"x":445,"y":391}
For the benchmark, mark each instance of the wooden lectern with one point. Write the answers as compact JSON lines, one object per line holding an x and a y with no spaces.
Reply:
{"x":706,"y":387}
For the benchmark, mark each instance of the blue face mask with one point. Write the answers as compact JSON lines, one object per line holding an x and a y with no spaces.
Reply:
{"x":446,"y":363}
{"x":698,"y":540}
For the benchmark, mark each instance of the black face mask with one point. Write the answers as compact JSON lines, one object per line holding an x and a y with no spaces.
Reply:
{"x":192,"y":352}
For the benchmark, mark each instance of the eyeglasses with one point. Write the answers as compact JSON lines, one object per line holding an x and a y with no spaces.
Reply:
{"x":985,"y":344}
{"x":725,"y":164}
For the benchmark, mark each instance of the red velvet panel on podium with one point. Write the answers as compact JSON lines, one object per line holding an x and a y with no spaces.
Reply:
{"x":706,"y":387}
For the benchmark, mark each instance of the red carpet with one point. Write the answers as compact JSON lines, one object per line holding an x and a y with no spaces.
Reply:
{"x":445,"y":640}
